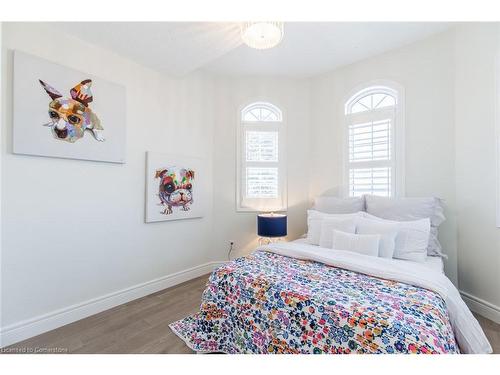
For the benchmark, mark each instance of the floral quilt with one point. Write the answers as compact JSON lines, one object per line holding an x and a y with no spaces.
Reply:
{"x":268,"y":303}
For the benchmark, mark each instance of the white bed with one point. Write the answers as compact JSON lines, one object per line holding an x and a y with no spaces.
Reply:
{"x":434,"y":263}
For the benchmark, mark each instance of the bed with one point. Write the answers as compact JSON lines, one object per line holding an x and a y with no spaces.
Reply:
{"x":298,"y":298}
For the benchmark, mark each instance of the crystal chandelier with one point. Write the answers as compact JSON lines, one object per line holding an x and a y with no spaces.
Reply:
{"x":262,"y":35}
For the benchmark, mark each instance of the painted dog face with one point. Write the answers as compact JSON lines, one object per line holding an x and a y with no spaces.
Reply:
{"x":176,"y":188}
{"x":70,"y":117}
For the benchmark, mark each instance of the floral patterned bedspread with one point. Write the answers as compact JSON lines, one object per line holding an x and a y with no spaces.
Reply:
{"x":268,"y":303}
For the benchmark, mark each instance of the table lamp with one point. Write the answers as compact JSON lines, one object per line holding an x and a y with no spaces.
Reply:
{"x":271,"y":227}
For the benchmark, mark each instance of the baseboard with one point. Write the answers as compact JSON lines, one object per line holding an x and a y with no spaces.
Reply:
{"x":482,"y":307}
{"x":32,"y":327}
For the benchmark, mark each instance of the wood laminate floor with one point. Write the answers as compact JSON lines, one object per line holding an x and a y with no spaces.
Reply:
{"x":141,"y":326}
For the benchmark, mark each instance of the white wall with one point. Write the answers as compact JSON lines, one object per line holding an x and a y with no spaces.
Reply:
{"x":292,"y":97}
{"x":425,"y":70}
{"x":74,"y":230}
{"x":477,"y":52}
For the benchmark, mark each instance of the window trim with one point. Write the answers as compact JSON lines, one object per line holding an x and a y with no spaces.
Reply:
{"x":398,"y":138}
{"x":279,"y":126}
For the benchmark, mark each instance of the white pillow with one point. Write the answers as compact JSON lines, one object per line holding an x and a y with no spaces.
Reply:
{"x":366,"y":244}
{"x":327,"y":227}
{"x":314,"y":220}
{"x":412,"y":238}
{"x":406,"y":209}
{"x":387,"y":232}
{"x":335,"y":205}
{"x":313,"y":214}
{"x":434,"y":248}
{"x":403,"y":209}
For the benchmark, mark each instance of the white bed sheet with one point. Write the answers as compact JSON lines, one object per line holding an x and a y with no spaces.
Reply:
{"x":434,"y":263}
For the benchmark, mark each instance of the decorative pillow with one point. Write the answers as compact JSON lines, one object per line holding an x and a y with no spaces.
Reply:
{"x":335,"y":205}
{"x":412,"y":238}
{"x":408,"y":209}
{"x":327,"y":227}
{"x":366,"y":244}
{"x":314,"y":220}
{"x":387,"y":232}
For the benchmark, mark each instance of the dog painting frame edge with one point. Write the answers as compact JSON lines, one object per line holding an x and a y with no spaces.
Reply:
{"x":116,"y":152}
{"x":155,"y":206}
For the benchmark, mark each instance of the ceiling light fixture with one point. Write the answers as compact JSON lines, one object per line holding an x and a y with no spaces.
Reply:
{"x":262,"y":35}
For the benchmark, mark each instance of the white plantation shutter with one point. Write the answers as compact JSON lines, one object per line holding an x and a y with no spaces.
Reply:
{"x":376,"y":181}
{"x":371,"y":164}
{"x":370,"y":141}
{"x":261,"y":149}
{"x":261,"y":146}
{"x":261,"y":172}
{"x":262,"y":182}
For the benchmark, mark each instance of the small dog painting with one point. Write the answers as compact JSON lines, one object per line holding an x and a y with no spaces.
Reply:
{"x":70,"y":117}
{"x":175,"y":188}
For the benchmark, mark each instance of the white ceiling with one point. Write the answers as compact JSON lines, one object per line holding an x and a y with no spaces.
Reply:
{"x":307,"y":49}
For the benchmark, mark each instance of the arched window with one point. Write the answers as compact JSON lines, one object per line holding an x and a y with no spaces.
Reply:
{"x":374,"y":138}
{"x":261,"y":112}
{"x":261,"y":159}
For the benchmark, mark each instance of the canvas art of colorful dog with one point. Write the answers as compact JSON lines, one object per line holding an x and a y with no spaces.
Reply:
{"x":70,"y":117}
{"x":175,"y":189}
